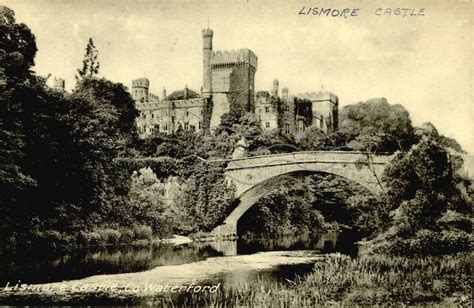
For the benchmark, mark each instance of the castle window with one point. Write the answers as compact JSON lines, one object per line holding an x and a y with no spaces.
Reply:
{"x":165,"y":127}
{"x":153,"y":115}
{"x":267,"y":124}
{"x":187,"y":113}
{"x":199,"y":125}
{"x":267,"y":109}
{"x":300,"y":127}
{"x":287,"y":107}
{"x":186,"y":126}
{"x":157,"y":127}
{"x":287,"y":128}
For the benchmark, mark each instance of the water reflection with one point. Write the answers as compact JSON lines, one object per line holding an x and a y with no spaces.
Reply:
{"x":51,"y":266}
{"x":343,"y":242}
{"x":40,"y":267}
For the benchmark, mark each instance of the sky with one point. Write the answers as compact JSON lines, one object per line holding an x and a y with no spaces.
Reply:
{"x":421,"y":62}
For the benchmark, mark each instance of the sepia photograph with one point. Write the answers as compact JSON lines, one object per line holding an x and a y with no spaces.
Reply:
{"x":236,"y":153}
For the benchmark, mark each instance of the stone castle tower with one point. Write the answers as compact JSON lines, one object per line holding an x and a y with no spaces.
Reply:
{"x":228,"y":78}
{"x":140,"y":89}
{"x":228,"y":86}
{"x":59,"y":84}
{"x":206,"y":62}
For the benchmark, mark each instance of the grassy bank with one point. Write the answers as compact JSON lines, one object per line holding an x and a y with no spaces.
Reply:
{"x":344,"y":281}
{"x":339,"y":280}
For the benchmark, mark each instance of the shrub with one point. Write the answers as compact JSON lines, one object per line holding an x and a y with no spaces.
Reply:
{"x":109,"y":236}
{"x":90,"y":238}
{"x":127,"y":236}
{"x":143,"y":232}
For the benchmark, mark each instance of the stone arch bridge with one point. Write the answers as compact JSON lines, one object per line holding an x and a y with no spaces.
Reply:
{"x":254,"y":177}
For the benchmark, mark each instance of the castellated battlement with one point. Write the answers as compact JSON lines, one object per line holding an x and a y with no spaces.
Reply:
{"x":179,"y":103}
{"x":187,"y":103}
{"x":318,"y":96}
{"x":153,"y":97}
{"x":207,"y":32}
{"x":234,"y":58}
{"x":141,"y":83}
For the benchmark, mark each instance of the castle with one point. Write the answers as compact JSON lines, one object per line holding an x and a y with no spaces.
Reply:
{"x":229,"y":86}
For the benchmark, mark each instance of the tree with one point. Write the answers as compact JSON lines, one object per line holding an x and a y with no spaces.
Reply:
{"x":313,"y":140}
{"x":179,"y":94}
{"x":17,"y":48}
{"x":377,"y":126}
{"x":427,"y":205}
{"x":17,"y":52}
{"x":90,"y":64}
{"x":146,"y":203}
{"x":103,"y":125}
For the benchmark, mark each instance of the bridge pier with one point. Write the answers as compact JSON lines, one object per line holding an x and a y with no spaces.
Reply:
{"x":225,"y":230}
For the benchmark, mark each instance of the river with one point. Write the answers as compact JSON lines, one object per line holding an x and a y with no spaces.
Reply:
{"x":134,"y":268}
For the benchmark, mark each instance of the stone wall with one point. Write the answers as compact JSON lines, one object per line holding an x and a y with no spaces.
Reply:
{"x":250,"y":171}
{"x":254,"y":177}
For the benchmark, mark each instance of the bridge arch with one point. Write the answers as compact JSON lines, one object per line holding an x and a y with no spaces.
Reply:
{"x":255,"y":177}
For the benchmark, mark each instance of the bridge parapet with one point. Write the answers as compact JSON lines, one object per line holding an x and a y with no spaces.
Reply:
{"x":304,"y":157}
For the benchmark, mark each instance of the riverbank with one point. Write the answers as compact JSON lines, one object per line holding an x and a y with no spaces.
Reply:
{"x":177,"y":240}
{"x":335,"y":280}
{"x":133,"y":287}
{"x":342,"y":281}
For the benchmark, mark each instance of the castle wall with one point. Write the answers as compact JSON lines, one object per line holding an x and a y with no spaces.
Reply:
{"x":170,"y":116}
{"x":324,"y":110}
{"x":232,"y":90}
{"x":229,"y":87}
{"x":267,"y":110}
{"x":188,"y":114}
{"x":221,"y":80}
{"x":232,"y":82}
{"x":286,"y":117}
{"x":220,"y":106}
{"x":242,"y":83}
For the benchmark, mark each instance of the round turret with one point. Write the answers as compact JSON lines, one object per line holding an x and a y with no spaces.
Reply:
{"x":141,"y":82}
{"x":140,"y":89}
{"x":206,"y":60}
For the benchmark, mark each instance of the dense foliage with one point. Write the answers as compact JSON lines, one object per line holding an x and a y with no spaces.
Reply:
{"x":179,"y":94}
{"x":72,"y":168}
{"x":311,"y":203}
{"x":59,"y":176}
{"x":429,"y":202}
